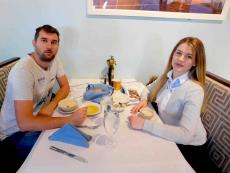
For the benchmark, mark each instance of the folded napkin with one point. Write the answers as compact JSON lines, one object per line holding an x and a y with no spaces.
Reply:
{"x":95,"y":92}
{"x":71,"y":135}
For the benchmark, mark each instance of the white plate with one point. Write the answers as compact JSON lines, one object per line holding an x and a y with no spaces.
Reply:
{"x":119,"y":97}
{"x":65,"y":112}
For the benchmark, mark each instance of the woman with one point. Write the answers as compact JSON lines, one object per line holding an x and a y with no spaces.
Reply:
{"x":179,"y":94}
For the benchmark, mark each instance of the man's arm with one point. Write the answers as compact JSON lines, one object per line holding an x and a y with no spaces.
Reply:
{"x":62,"y":93}
{"x":28,"y":122}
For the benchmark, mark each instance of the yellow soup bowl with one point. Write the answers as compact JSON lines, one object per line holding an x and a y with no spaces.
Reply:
{"x":92,"y":110}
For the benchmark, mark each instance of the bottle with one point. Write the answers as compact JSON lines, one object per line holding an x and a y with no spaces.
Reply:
{"x":111,"y":75}
{"x":111,"y":62}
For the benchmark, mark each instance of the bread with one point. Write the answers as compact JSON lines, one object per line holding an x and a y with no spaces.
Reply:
{"x":67,"y":105}
{"x":119,"y":97}
{"x":119,"y":107}
{"x":146,"y":113}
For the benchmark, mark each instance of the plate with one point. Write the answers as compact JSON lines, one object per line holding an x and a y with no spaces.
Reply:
{"x":92,"y":108}
{"x":133,"y":94}
{"x":67,"y":105}
{"x":119,"y":97}
{"x":65,"y":112}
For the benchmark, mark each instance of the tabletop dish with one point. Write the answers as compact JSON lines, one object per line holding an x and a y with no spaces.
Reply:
{"x":67,"y":105}
{"x":118,"y":107}
{"x":65,"y":112}
{"x":119,"y":97}
{"x":119,"y":101}
{"x":92,"y":108}
{"x":134,"y":94}
{"x":146,"y":113}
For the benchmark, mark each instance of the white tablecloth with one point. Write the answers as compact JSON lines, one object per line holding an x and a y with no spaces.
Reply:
{"x":136,"y":151}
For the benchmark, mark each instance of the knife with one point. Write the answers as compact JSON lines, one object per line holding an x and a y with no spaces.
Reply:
{"x":74,"y":156}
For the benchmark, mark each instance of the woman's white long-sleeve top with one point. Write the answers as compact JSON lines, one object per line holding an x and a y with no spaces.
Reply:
{"x":179,"y":110}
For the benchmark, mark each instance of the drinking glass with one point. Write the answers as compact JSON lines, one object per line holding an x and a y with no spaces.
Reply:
{"x":111,"y":125}
{"x":117,"y":84}
{"x":105,"y":101}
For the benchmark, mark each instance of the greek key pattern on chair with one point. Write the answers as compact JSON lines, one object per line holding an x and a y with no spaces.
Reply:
{"x":216,"y":120}
{"x":4,"y":72}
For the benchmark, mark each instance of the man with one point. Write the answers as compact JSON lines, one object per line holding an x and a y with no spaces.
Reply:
{"x":27,"y":108}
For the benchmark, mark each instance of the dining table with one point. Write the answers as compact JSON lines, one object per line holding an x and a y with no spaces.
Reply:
{"x":135,"y":151}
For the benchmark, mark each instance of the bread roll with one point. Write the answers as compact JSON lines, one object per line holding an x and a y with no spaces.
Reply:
{"x":67,"y":105}
{"x":146,"y":113}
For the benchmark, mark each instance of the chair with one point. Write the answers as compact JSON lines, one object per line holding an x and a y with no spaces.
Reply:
{"x":216,"y":120}
{"x":5,"y":68}
{"x":7,"y":150}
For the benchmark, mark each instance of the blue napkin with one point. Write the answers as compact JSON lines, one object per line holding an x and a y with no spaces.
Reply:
{"x":71,"y":135}
{"x":95,"y":92}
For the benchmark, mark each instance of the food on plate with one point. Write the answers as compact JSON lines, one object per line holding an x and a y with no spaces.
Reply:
{"x":119,"y":107}
{"x":146,"y":113}
{"x":134,"y":94}
{"x":119,"y":101}
{"x":67,"y":105}
{"x":119,"y":97}
{"x":92,"y":109}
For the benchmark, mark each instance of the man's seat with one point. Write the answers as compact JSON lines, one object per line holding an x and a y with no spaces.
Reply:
{"x":7,"y":151}
{"x":5,"y":68}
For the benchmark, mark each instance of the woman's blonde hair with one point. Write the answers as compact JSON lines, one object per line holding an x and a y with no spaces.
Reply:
{"x":196,"y":73}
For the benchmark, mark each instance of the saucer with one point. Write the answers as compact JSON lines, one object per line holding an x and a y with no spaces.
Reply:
{"x":67,"y":105}
{"x":65,"y":112}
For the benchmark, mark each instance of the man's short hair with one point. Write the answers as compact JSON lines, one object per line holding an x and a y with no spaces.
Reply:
{"x":47,"y":29}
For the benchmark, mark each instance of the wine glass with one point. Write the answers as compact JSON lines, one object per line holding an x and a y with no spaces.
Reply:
{"x":111,"y":125}
{"x":105,"y":101}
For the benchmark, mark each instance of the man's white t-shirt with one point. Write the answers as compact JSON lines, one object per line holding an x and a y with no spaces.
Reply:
{"x":27,"y":81}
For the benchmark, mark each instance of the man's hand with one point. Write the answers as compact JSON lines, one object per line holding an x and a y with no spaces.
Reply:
{"x":79,"y":116}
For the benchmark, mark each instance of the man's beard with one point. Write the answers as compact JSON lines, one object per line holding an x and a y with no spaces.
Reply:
{"x":42,"y":56}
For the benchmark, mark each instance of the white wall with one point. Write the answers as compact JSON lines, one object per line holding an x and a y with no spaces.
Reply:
{"x":141,"y":46}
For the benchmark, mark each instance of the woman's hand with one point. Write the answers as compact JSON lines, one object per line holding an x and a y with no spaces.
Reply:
{"x":140,"y":105}
{"x":136,"y":122}
{"x":79,"y":116}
